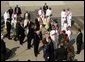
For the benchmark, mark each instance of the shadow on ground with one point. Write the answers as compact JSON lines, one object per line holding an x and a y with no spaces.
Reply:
{"x":41,"y":48}
{"x":72,"y":41}
{"x":11,"y":53}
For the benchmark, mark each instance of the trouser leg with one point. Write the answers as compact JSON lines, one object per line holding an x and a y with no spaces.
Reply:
{"x":29,"y":42}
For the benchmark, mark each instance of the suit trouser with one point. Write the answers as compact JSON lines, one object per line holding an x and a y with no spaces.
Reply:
{"x":29,"y":41}
{"x":79,"y":48}
{"x":44,"y":12}
{"x":10,"y":17}
{"x":17,"y":35}
{"x":21,"y":38}
{"x":36,"y":45}
{"x":8,"y":33}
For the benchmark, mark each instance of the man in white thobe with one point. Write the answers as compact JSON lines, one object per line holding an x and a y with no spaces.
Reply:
{"x":63,"y":17}
{"x":48,"y":12}
{"x":40,"y":12}
{"x":69,"y":17}
{"x":6,"y":16}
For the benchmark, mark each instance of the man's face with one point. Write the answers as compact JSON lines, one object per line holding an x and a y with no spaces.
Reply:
{"x":10,"y":7}
{"x":77,"y":31}
{"x":17,"y":6}
{"x":45,"y":3}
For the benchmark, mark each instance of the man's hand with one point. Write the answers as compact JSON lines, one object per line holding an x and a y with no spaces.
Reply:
{"x":47,"y":57}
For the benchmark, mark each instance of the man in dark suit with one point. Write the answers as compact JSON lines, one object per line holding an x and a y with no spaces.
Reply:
{"x":10,"y":13}
{"x":36,"y":42}
{"x":37,"y":24}
{"x":8,"y":28}
{"x":61,"y":53}
{"x":30,"y":34}
{"x":49,"y":50}
{"x":17,"y":31}
{"x":45,"y":7}
{"x":21,"y":34}
{"x":79,"y":41}
{"x":17,"y":10}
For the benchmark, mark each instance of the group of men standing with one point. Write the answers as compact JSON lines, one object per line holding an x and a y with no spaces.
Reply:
{"x":66,"y":18}
{"x":45,"y":11}
{"x":9,"y":15}
{"x":54,"y":39}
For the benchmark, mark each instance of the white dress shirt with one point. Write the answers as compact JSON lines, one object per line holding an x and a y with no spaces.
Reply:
{"x":6,"y":15}
{"x":25,"y":22}
{"x":40,"y":12}
{"x":54,"y":34}
{"x":68,"y":32}
{"x":65,"y":25}
{"x":69,"y":17}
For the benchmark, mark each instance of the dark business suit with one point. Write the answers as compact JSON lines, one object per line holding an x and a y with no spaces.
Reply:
{"x":10,"y":13}
{"x":8,"y":29}
{"x":36,"y":43}
{"x":79,"y":42}
{"x":21,"y":34}
{"x":49,"y":51}
{"x":30,"y":35}
{"x":17,"y":31}
{"x":60,"y":54}
{"x":37,"y":24}
{"x":45,"y":7}
{"x":17,"y":10}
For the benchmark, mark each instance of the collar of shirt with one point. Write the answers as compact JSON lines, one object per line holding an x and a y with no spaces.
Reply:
{"x":79,"y":33}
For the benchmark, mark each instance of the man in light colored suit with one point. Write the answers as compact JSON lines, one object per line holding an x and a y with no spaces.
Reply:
{"x":63,"y":17}
{"x":69,"y":17}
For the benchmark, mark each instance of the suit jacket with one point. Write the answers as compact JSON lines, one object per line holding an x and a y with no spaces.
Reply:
{"x":10,"y":11}
{"x":61,"y":53}
{"x":79,"y":38}
{"x":21,"y":33}
{"x":49,"y":51}
{"x":21,"y":30}
{"x":37,"y":24}
{"x":18,"y":28}
{"x":36,"y":39}
{"x":45,"y":8}
{"x":31,"y":30}
{"x":19,"y":10}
